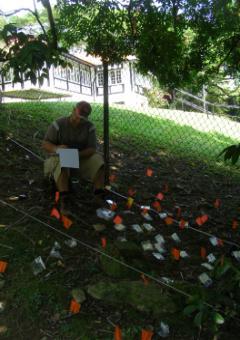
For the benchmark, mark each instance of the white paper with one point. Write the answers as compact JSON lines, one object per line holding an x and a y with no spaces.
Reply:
{"x":183,"y":254}
{"x":148,"y":227}
{"x":214,"y":241}
{"x":137,"y":228}
{"x":205,"y":279}
{"x":236,"y":254}
{"x":211,"y":258}
{"x":158,"y":256}
{"x":69,"y":158}
{"x":175,"y":238}
{"x":147,"y":245}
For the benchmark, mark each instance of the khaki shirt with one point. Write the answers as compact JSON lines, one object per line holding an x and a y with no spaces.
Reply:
{"x":79,"y":137}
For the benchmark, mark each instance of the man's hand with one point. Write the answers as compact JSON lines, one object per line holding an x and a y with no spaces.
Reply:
{"x":52,"y":148}
{"x":62,"y":146}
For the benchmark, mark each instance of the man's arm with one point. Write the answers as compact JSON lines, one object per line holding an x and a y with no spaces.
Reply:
{"x":87,"y":152}
{"x":52,"y":148}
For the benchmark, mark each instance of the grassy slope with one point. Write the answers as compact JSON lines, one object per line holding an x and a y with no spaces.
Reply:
{"x":33,"y":94}
{"x":127,"y":128}
{"x":26,"y":294}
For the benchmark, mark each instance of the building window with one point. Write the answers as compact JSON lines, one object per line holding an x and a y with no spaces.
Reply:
{"x":73,"y":74}
{"x":119,"y":76}
{"x":100,"y":78}
{"x":8,"y":76}
{"x":85,"y":75}
{"x":113,"y":77}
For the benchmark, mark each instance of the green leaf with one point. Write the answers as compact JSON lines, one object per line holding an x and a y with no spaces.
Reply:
{"x":190,"y":309}
{"x":198,"y":319}
{"x":218,"y":318}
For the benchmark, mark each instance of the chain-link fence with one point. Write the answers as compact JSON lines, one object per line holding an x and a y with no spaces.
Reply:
{"x":186,"y":125}
{"x":143,"y":117}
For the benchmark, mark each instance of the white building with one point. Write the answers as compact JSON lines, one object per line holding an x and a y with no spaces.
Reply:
{"x":85,"y":80}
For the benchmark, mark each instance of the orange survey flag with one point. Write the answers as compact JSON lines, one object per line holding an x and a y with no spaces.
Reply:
{"x":203,"y":252}
{"x":217,"y":203}
{"x":66,"y":222}
{"x":113,"y":206}
{"x":149,"y":172}
{"x":117,"y":333}
{"x":3,"y":266}
{"x":104,"y":242}
{"x":117,"y":220}
{"x":145,"y":279}
{"x":160,"y":196}
{"x":201,"y":219}
{"x":168,"y":220}
{"x":220,"y":242}
{"x":146,"y":334}
{"x":74,"y":307}
{"x":55,"y":213}
{"x":156,"y":205}
{"x":57,"y":196}
{"x":234,"y":224}
{"x":182,"y":224}
{"x":175,"y":254}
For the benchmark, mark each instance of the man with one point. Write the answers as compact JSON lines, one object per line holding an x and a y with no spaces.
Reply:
{"x":74,"y":131}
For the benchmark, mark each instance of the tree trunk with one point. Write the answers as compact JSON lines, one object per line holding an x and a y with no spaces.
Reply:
{"x":106,"y":120}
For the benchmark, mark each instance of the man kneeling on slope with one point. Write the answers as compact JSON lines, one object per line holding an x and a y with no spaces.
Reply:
{"x":74,"y":131}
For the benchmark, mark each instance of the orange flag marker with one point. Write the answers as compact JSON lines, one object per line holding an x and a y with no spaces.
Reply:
{"x":55,"y":213}
{"x":117,"y":219}
{"x":146,"y":334}
{"x":203,"y":252}
{"x":217,"y":203}
{"x":175,"y":253}
{"x":117,"y":333}
{"x":200,"y":220}
{"x":113,"y":206}
{"x":182,"y":224}
{"x":57,"y":196}
{"x":160,"y":196}
{"x":145,"y":279}
{"x":168,"y":220}
{"x":149,"y":172}
{"x":156,"y":205}
{"x":104,"y":242}
{"x":130,"y":201}
{"x":234,"y":224}
{"x":66,"y":222}
{"x":3,"y":266}
{"x":74,"y":307}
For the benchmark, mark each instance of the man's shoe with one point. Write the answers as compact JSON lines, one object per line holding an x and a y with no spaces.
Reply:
{"x":65,"y":204}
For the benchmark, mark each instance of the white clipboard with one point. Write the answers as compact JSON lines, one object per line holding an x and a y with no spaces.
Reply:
{"x":69,"y":158}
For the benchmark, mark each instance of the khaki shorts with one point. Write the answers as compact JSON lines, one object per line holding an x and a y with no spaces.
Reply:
{"x":88,"y":167}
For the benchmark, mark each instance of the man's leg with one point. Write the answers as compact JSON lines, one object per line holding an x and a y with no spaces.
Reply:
{"x":99,"y":179}
{"x":62,"y":182}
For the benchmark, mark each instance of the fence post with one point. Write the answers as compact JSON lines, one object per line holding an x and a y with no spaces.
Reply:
{"x":106,"y":120}
{"x":204,"y":98}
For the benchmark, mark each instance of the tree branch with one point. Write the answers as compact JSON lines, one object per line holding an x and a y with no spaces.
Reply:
{"x":35,"y":14}
{"x":46,"y":4}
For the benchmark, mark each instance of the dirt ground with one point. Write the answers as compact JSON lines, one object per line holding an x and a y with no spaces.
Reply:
{"x":37,"y":306}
